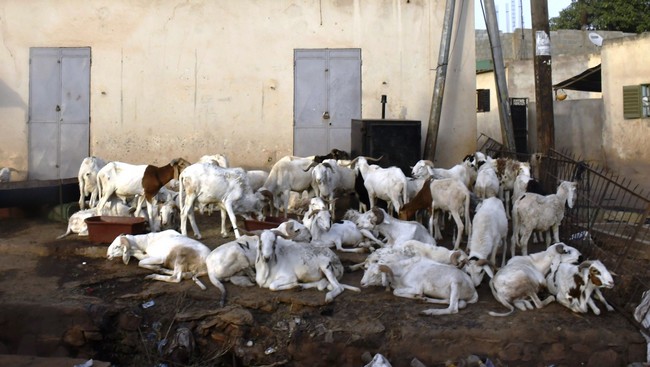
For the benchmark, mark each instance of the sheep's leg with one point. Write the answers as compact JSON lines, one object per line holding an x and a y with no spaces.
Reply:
{"x":539,"y":303}
{"x":523,"y":242}
{"x":460,"y":227}
{"x":233,"y":220}
{"x":416,"y":293}
{"x":138,"y":205}
{"x":436,"y":226}
{"x":93,"y":199}
{"x":187,"y":212}
{"x":152,"y":211}
{"x":283,"y":283}
{"x":454,"y":304}
{"x":601,"y":298}
{"x":556,"y":234}
{"x":367,"y":234}
{"x":224,"y":231}
{"x":152,"y":263}
{"x":242,"y":280}
{"x":336,"y":287}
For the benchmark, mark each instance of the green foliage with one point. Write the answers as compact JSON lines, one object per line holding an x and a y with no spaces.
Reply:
{"x":631,"y":16}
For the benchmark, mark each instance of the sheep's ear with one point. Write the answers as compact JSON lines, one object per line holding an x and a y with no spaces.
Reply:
{"x":386,"y":269}
{"x":488,"y":270}
{"x":126,"y":250}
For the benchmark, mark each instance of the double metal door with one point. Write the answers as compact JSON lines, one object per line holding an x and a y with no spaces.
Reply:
{"x":327,"y":96}
{"x":59,"y":111}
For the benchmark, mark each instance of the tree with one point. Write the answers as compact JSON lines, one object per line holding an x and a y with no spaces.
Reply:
{"x":631,"y":16}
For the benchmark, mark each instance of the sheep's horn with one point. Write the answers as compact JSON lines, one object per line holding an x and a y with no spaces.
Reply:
{"x":311,"y":165}
{"x":350,"y":163}
{"x":371,"y":159}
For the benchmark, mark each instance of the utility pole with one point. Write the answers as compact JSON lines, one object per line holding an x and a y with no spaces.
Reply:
{"x":505,"y":117}
{"x":543,"y":76}
{"x":439,"y":86}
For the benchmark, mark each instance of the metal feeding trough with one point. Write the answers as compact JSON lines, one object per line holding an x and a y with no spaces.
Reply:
{"x":267,"y":223}
{"x":104,"y":228}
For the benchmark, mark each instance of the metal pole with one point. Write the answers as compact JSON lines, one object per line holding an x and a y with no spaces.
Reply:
{"x":439,"y":86}
{"x":543,"y":81}
{"x":499,"y":76}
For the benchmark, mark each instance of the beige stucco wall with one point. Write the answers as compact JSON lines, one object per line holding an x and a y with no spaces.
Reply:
{"x":175,"y":78}
{"x":520,"y":77}
{"x":626,"y":141}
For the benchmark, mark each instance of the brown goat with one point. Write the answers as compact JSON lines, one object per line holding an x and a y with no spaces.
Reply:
{"x":422,"y":200}
{"x":156,"y":177}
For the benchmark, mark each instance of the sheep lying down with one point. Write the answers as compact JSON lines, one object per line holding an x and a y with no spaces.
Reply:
{"x":424,"y":279}
{"x":168,"y":252}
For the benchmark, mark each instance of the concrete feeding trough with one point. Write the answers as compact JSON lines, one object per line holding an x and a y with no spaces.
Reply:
{"x":104,"y":228}
{"x":267,"y":223}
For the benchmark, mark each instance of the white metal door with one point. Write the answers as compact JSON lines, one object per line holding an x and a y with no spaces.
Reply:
{"x":59,"y":111}
{"x":327,"y":96}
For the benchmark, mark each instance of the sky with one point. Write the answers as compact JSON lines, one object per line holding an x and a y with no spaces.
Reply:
{"x":505,"y":13}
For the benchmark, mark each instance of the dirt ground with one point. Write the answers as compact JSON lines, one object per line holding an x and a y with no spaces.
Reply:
{"x":62,"y":298}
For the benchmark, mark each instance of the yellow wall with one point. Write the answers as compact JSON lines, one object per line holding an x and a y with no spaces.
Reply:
{"x":625,"y":141}
{"x":176,"y":78}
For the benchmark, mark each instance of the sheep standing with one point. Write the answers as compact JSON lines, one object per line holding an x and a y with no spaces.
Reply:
{"x":534,"y":212}
{"x":489,"y":233}
{"x":228,"y":188}
{"x":87,"y":177}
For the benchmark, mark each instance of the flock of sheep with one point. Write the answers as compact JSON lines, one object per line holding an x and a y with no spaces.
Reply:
{"x":403,"y":255}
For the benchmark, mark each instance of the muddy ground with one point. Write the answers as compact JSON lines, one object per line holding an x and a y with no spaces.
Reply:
{"x":62,"y":298}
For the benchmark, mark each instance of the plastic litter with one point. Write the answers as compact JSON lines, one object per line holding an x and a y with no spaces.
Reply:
{"x":148,"y":304}
{"x":88,"y":363}
{"x":269,"y":350}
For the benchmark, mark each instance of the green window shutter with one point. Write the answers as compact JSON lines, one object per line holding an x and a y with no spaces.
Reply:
{"x":632,"y":101}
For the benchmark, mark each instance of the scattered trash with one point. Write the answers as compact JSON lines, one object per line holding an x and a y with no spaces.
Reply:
{"x":249,"y":343}
{"x":269,"y":350}
{"x":579,"y":236}
{"x":83,"y":263}
{"x":148,"y":304}
{"x":88,"y":363}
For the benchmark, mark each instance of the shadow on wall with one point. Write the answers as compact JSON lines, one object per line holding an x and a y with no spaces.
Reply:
{"x":9,"y":97}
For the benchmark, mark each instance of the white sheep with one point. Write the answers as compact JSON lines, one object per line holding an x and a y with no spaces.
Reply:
{"x":427,"y":280}
{"x":487,"y":182}
{"x":388,"y":184}
{"x":235,"y":260}
{"x":77,"y":223}
{"x":534,"y":212}
{"x":326,"y":233}
{"x":507,"y":170}
{"x":573,"y":285}
{"x":489,"y":233}
{"x":465,"y":171}
{"x":284,"y":264}
{"x":394,"y":230}
{"x":287,"y":174}
{"x":162,"y":251}
{"x":87,"y":177}
{"x":449,"y":195}
{"x":218,"y":159}
{"x":517,"y":283}
{"x":228,"y":188}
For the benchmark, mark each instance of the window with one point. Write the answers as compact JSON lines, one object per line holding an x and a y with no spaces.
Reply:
{"x":636,"y":103}
{"x":482,"y":100}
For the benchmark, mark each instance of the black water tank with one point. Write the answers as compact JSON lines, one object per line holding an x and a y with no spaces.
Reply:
{"x":398,"y":141}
